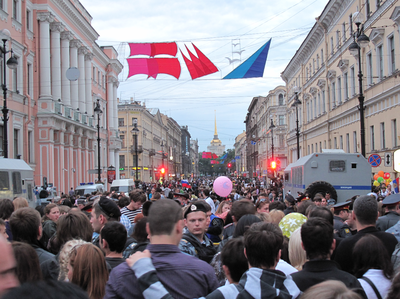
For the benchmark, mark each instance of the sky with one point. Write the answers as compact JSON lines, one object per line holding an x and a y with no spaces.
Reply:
{"x":213,"y":26}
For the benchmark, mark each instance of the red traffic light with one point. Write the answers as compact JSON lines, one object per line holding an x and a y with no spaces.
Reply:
{"x":163,"y":170}
{"x":273,"y":164}
{"x":229,"y":165}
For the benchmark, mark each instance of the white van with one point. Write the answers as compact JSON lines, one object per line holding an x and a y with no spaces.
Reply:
{"x":88,"y":188}
{"x":125,"y":185}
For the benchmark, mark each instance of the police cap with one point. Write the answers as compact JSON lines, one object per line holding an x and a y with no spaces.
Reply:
{"x":391,"y":199}
{"x":342,"y":206}
{"x":195,"y":207}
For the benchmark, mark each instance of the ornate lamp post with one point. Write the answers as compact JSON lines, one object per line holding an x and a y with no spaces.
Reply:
{"x":295,"y":104}
{"x":97,"y":110}
{"x":135,"y":132}
{"x":12,"y":63}
{"x":271,"y":127}
{"x":360,"y":41}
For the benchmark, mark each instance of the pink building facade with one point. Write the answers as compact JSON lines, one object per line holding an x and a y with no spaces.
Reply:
{"x":51,"y":124}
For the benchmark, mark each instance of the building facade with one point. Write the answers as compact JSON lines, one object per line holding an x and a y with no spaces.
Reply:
{"x":326,"y":74}
{"x":194,"y":155}
{"x":186,"y":158}
{"x":240,"y":154}
{"x":51,"y":119}
{"x":216,"y":146}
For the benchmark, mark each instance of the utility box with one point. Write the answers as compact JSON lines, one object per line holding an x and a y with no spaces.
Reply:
{"x":341,"y":174}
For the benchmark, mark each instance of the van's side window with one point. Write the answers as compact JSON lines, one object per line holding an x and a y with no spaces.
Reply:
{"x":17,"y":182}
{"x":4,"y":181}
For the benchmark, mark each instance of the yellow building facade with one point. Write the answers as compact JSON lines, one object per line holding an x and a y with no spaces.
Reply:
{"x":327,"y":77}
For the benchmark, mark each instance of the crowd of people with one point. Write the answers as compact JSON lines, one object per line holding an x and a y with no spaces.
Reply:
{"x":166,"y":241}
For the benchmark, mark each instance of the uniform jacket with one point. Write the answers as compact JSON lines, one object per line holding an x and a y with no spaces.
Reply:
{"x":342,"y":230}
{"x":387,"y":221}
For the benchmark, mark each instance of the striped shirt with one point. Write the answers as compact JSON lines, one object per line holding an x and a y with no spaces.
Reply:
{"x":131,"y":214}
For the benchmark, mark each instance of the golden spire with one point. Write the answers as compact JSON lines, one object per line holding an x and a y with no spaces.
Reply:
{"x":215,"y":122}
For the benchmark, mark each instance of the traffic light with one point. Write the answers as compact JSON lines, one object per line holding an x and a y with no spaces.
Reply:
{"x":273,"y":164}
{"x":162,"y":170}
{"x":229,"y":165}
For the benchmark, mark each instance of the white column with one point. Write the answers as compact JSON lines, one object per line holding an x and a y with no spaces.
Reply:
{"x":75,"y":44}
{"x":88,"y":83}
{"x":82,"y":51}
{"x":65,"y":83}
{"x":56,"y":28}
{"x":110,"y":102}
{"x":117,"y":165}
{"x":115,"y":92}
{"x":44,"y":39}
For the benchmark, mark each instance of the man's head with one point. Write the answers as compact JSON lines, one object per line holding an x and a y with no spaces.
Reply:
{"x":317,"y":238}
{"x":322,"y":212}
{"x":26,"y":225}
{"x":233,"y":260}
{"x":240,"y":208}
{"x":104,"y":211}
{"x":165,"y":219}
{"x":113,"y":237}
{"x":262,"y":243}
{"x":182,"y":197}
{"x":324,"y":202}
{"x":365,"y":210}
{"x":137,"y":199}
{"x":342,"y":210}
{"x":195,"y":219}
{"x":6,"y":208}
{"x":8,"y":278}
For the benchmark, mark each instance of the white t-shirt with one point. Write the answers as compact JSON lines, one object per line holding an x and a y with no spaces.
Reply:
{"x":379,"y":280}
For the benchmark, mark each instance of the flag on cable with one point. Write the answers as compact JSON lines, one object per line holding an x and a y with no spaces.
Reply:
{"x":185,"y":184}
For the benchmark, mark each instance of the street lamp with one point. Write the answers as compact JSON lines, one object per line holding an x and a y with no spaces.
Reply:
{"x":271,"y":127}
{"x":12,"y":63}
{"x":97,"y":110}
{"x":162,"y":152}
{"x":355,"y":50}
{"x":295,"y":104}
{"x":135,"y":132}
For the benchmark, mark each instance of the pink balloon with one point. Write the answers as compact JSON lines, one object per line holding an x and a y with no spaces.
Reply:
{"x":222,"y":186}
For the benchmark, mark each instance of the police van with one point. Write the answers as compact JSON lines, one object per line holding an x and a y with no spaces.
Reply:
{"x":341,"y":174}
{"x":88,"y":188}
{"x":16,"y":180}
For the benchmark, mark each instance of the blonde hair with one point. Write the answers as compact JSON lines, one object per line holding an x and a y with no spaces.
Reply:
{"x":64,"y":256}
{"x":297,"y":255}
{"x":19,"y":203}
{"x":330,"y":289}
{"x":221,"y":206}
{"x":276,"y":216}
{"x":265,"y":217}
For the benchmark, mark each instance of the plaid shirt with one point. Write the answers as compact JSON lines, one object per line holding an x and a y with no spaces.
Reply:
{"x":125,"y":221}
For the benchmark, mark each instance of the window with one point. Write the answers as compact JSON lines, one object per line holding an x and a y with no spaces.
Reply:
{"x":344,"y":31}
{"x":341,"y":141}
{"x":313,"y":65}
{"x":17,"y":182}
{"x":29,"y":78}
{"x":15,"y":9}
{"x":281,"y":141}
{"x":323,"y":101}
{"x":281,"y":120}
{"x":324,"y":143}
{"x":394,"y":132}
{"x":378,"y":3}
{"x":121,"y":122}
{"x":380,"y":62}
{"x":280,"y":100}
{"x":322,"y":56}
{"x":367,"y":7}
{"x":317,"y":62}
{"x":311,"y":110}
{"x":15,"y":78}
{"x":355,"y":141}
{"x":335,"y":142}
{"x":308,"y":111}
{"x":98,"y":77}
{"x":339,"y":90}
{"x":315,"y":107}
{"x":353,"y":81}
{"x":346,"y":86}
{"x":31,"y":144}
{"x":383,"y":138}
{"x":351,"y":23}
{"x":347,"y":143}
{"x":332,"y":46}
{"x":369,"y":68}
{"x":306,"y":73}
{"x":122,"y":161}
{"x":392,"y":65}
{"x":2,"y":4}
{"x":319,"y":104}
{"x":338,"y":39}
{"x":28,"y":19}
{"x":94,"y":74}
{"x":372,"y":136}
{"x":16,"y":144}
{"x":320,"y":147}
{"x":312,"y":148}
{"x":134,"y":121}
{"x":333,"y":95}
{"x":122,"y":137}
{"x":308,"y":148}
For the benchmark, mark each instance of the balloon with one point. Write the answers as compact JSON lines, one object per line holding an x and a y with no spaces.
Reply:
{"x":381,"y":173}
{"x":388,"y":181}
{"x":376,"y":177}
{"x":380,"y":180}
{"x":376,"y":183}
{"x":386,"y":176}
{"x":222,"y":186}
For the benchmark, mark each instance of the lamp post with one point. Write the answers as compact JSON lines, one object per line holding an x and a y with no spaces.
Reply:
{"x":295,"y":104}
{"x":135,"y":132}
{"x":97,"y":110}
{"x":162,"y":152}
{"x":360,"y":40}
{"x":271,"y":127}
{"x":12,"y":63}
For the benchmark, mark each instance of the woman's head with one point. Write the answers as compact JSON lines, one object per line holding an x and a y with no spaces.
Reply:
{"x":87,"y":269}
{"x":51,"y":212}
{"x":20,"y":202}
{"x":331,"y":289}
{"x":244,"y":224}
{"x":64,"y":255}
{"x":262,"y":207}
{"x":28,"y":267}
{"x":223,"y":207}
{"x":370,"y":253}
{"x":297,"y":255}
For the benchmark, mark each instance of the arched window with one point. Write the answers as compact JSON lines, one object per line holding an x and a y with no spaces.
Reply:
{"x":280,"y":97}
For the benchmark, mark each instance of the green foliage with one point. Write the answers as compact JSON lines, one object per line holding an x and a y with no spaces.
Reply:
{"x":206,"y":168}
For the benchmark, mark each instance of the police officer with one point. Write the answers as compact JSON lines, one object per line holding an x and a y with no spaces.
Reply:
{"x":340,"y":215}
{"x":391,"y":217}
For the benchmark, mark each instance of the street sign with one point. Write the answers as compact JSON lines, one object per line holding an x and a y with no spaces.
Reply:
{"x":396,"y":161}
{"x":388,"y":159}
{"x":375,"y":160}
